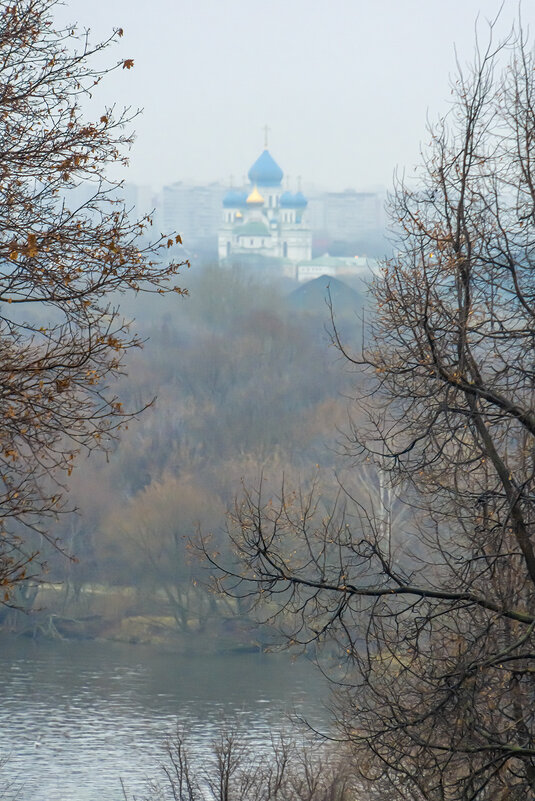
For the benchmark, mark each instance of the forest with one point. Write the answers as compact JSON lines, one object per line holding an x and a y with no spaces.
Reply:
{"x":243,"y":382}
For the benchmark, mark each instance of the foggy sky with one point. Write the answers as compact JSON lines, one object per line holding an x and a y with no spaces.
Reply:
{"x":345,"y":85}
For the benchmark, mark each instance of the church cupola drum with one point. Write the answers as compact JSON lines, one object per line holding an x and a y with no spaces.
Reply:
{"x":263,"y":220}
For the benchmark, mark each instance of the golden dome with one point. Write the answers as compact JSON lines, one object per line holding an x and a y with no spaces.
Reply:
{"x":255,"y":198}
{"x":238,"y":215}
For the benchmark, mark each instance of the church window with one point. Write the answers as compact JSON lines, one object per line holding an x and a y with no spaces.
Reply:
{"x":252,"y":241}
{"x":285,"y":249}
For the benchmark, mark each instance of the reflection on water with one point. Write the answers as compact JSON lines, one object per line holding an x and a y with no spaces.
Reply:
{"x":77,"y":716}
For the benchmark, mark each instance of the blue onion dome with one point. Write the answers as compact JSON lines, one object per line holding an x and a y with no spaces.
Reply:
{"x":234,"y":199}
{"x":286,"y":200}
{"x":300,"y":201}
{"x":265,"y":171}
{"x":230,"y":199}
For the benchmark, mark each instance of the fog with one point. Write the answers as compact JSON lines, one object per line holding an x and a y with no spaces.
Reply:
{"x":345,"y":86}
{"x":245,"y":381}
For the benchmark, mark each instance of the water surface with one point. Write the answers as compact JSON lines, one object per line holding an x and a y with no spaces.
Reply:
{"x":77,"y":716}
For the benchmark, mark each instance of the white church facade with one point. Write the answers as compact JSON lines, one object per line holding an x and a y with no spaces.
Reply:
{"x":264,"y":220}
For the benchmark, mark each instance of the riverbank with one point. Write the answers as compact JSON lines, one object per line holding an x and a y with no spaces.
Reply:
{"x":124,"y":615}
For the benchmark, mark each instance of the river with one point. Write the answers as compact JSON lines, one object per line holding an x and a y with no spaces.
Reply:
{"x":76,"y":717}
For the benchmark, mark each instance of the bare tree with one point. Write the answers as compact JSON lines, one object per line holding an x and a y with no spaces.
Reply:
{"x":232,"y":768}
{"x":64,"y":265}
{"x":437,"y":692}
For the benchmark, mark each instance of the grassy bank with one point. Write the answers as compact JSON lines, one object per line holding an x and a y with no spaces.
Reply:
{"x":127,"y":615}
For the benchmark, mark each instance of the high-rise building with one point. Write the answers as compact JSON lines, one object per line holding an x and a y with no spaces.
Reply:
{"x":193,"y":211}
{"x":350,"y":215}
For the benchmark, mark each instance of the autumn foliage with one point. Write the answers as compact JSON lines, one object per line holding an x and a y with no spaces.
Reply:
{"x":63,"y":266}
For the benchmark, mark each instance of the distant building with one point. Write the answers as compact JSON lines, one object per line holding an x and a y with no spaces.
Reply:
{"x":334,"y":266}
{"x":193,"y":211}
{"x":346,"y":216}
{"x":139,"y":200}
{"x":350,"y":214}
{"x":263,"y":220}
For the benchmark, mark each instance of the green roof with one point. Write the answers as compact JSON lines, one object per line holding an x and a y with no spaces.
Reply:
{"x":253,"y":228}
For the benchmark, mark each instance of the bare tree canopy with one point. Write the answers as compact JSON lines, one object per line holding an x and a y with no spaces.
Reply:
{"x":63,"y":265}
{"x":433,"y":609}
{"x":233,"y":768}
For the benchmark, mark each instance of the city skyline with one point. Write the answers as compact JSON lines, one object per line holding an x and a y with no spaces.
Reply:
{"x":346,"y":88}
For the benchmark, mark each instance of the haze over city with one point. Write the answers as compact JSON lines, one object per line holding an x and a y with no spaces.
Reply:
{"x":344,"y":86}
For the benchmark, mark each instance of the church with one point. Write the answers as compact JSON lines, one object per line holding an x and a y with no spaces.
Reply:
{"x":263,"y":220}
